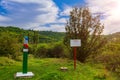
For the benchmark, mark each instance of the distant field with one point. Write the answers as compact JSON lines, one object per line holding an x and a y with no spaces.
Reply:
{"x":49,"y":69}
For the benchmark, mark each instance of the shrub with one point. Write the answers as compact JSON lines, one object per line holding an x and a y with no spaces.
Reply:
{"x":55,"y":50}
{"x":38,"y":50}
{"x":41,"y":51}
{"x":111,"y":61}
{"x":9,"y":46}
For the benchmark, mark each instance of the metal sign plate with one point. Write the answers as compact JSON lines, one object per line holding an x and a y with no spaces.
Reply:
{"x":75,"y":42}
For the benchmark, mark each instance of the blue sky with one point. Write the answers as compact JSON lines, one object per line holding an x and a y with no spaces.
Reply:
{"x":52,"y":14}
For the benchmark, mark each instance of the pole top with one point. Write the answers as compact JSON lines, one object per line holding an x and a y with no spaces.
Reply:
{"x":26,"y":37}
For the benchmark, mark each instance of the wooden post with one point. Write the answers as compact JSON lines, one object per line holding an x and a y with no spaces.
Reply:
{"x":75,"y":57}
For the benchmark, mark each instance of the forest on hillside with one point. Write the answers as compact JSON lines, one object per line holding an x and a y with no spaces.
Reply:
{"x":48,"y":44}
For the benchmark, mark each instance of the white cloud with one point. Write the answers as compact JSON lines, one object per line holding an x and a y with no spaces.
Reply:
{"x":34,"y":15}
{"x":28,"y":1}
{"x":66,"y":11}
{"x":46,"y":18}
{"x":3,"y":18}
{"x":58,"y":28}
{"x":54,"y":27}
{"x":29,"y":13}
{"x":49,"y":9}
{"x":111,"y":12}
{"x":62,"y":20}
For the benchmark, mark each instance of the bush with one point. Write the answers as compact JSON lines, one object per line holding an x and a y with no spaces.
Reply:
{"x":56,"y":50}
{"x":9,"y":46}
{"x":32,"y":49}
{"x":111,"y":61}
{"x":42,"y":51}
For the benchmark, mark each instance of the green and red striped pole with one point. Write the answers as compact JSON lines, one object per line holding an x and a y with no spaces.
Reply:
{"x":25,"y":54}
{"x":25,"y":72}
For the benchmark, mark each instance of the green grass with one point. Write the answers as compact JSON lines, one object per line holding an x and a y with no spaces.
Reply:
{"x":49,"y":69}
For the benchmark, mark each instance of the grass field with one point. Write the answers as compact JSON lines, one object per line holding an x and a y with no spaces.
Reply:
{"x":49,"y":69}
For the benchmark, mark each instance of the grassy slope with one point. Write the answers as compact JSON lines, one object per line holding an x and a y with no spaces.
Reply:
{"x":48,"y":69}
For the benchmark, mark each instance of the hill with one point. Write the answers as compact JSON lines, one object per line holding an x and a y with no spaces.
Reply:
{"x":48,"y":36}
{"x":115,"y":37}
{"x":40,"y":36}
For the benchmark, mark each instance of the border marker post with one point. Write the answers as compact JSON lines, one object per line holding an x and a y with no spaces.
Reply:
{"x":25,"y":72}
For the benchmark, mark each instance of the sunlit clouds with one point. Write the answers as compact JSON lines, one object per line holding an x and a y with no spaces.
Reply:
{"x":110,"y":10}
{"x":48,"y":15}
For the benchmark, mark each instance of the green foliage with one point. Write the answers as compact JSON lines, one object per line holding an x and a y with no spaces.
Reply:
{"x":42,"y":51}
{"x":110,"y":54}
{"x":49,"y":36}
{"x":111,"y":62}
{"x":35,"y":37}
{"x":11,"y":29}
{"x":9,"y":46}
{"x":47,"y":44}
{"x":114,"y":38}
{"x":110,"y":57}
{"x":57,"y":51}
{"x":14,"y":37}
{"x":51,"y":50}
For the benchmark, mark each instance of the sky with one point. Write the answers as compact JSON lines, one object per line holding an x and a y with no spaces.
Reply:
{"x":52,"y":15}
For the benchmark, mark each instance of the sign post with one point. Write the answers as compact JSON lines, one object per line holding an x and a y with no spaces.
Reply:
{"x":25,"y":55}
{"x":75,"y":57}
{"x":75,"y":43}
{"x":24,"y":72}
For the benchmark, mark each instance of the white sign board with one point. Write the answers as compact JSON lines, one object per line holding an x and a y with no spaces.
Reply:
{"x":75,"y":42}
{"x":25,"y":50}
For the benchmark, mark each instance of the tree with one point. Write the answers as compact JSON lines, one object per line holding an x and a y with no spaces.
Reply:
{"x":87,"y":27}
{"x":9,"y":45}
